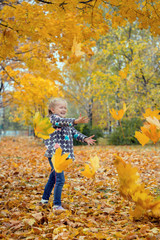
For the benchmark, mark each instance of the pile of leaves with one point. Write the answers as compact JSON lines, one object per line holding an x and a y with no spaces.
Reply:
{"x":95,"y":208}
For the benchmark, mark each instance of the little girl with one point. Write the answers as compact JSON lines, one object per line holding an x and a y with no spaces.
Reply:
{"x":61,"y":137}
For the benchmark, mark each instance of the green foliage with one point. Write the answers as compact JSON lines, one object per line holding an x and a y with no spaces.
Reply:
{"x":125,"y":135}
{"x":88,"y":131}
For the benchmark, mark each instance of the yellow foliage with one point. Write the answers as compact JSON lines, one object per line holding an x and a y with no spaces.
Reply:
{"x":60,"y":162}
{"x":31,"y":95}
{"x":33,"y":36}
{"x":42,"y":126}
{"x":123,"y":73}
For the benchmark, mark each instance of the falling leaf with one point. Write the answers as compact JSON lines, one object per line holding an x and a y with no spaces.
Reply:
{"x":60,"y":162}
{"x":150,"y":113}
{"x":132,"y":189}
{"x":95,"y":162}
{"x":155,"y":208}
{"x":42,"y":126}
{"x":137,"y":212}
{"x":142,"y":138}
{"x":88,"y":171}
{"x":154,"y":121}
{"x":151,"y":132}
{"x":118,"y":115}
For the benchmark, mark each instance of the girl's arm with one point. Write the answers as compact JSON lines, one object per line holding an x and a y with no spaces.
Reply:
{"x":61,"y":122}
{"x":66,"y":122}
{"x":77,"y":135}
{"x":82,"y":138}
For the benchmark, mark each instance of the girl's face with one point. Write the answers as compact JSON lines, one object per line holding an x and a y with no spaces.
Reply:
{"x":60,"y":109}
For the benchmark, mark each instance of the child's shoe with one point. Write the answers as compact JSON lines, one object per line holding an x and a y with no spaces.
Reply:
{"x":43,"y":201}
{"x":58,"y":208}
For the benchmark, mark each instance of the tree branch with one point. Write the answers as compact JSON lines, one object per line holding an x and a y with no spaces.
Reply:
{"x":43,"y":1}
{"x":10,"y":76}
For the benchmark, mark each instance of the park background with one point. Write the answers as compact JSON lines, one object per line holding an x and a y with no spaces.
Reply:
{"x":101,"y":56}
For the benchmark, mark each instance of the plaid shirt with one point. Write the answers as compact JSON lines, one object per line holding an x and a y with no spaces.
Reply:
{"x":62,"y":136}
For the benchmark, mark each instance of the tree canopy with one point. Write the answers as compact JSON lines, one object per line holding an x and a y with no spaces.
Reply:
{"x":36,"y":34}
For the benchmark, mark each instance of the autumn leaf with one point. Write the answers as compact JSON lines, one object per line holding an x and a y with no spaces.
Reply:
{"x":91,"y":169}
{"x":137,"y":213}
{"x":142,"y":138}
{"x":95,"y":162}
{"x":118,"y":115}
{"x":93,"y":208}
{"x":60,"y":161}
{"x":132,"y":189}
{"x":155,"y":208}
{"x":88,"y":172}
{"x":150,"y":113}
{"x":128,"y":177}
{"x":150,"y":129}
{"x":151,"y":132}
{"x":42,"y":126}
{"x":154,"y":121}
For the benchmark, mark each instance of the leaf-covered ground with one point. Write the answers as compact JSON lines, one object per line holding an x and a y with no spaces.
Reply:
{"x":95,"y":208}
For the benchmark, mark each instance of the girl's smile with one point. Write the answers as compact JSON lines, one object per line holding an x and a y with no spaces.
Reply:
{"x":60,"y":109}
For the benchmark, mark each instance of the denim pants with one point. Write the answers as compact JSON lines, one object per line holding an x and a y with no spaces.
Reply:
{"x":56,"y":181}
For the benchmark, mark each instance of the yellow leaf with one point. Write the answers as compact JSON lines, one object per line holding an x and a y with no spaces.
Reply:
{"x":36,"y":118}
{"x":132,"y":189}
{"x":142,"y":138}
{"x":150,"y":113}
{"x":88,"y":172}
{"x":151,"y":132}
{"x":95,"y":163}
{"x":155,"y":208}
{"x":119,"y":115}
{"x":40,"y":135}
{"x":154,"y":121}
{"x":60,"y":162}
{"x":42,"y":126}
{"x":137,"y":213}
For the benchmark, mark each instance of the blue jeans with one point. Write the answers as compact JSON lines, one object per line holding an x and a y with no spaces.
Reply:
{"x":56,"y":179}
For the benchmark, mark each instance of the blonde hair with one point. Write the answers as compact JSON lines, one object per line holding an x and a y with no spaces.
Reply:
{"x":53,"y":102}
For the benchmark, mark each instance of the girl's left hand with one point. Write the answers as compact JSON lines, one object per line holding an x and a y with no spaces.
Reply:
{"x":89,"y":140}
